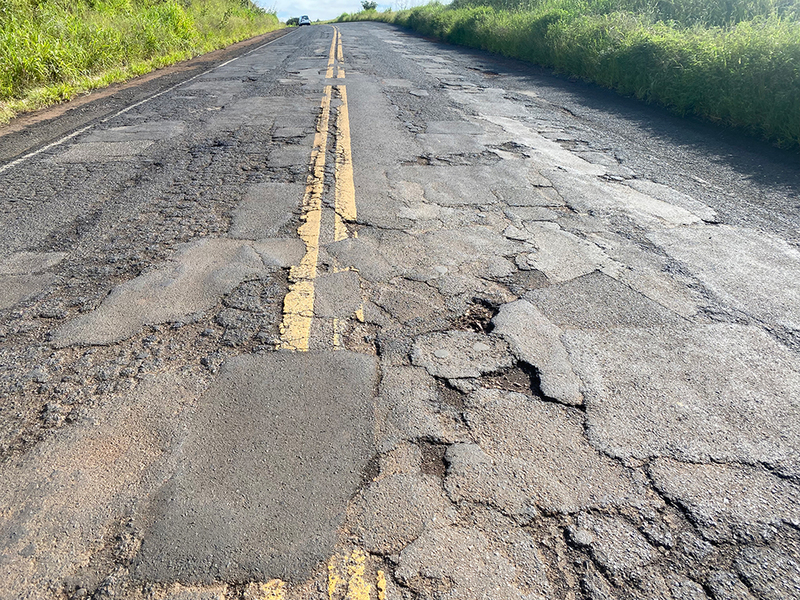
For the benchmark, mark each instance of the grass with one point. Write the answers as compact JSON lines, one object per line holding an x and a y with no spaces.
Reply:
{"x":52,"y":50}
{"x":735,"y":62}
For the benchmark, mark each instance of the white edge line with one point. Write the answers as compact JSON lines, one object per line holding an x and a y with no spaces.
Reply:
{"x":66,"y":138}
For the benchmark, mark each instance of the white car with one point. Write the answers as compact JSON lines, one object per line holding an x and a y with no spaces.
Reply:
{"x":304,"y":20}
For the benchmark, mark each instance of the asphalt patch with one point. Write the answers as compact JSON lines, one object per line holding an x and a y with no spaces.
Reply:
{"x":273,"y":453}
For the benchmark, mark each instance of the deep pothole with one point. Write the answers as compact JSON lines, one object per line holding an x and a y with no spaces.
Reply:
{"x":478,"y":317}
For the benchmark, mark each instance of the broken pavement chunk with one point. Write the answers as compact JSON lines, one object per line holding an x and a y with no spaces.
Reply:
{"x":728,"y":503}
{"x":393,"y":511}
{"x":460,"y":354}
{"x":562,"y":255}
{"x":615,"y":544}
{"x":536,"y":341}
{"x":463,"y":560}
{"x":597,"y":301}
{"x":534,"y":449}
{"x":698,"y":393}
{"x":194,"y":280}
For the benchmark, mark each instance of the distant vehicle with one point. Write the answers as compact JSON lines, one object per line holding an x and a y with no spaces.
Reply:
{"x":304,"y":20}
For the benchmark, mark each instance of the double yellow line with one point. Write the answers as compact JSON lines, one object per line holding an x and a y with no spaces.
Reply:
{"x":345,"y":189}
{"x":349,"y":578}
{"x":337,"y":54}
{"x":298,"y":306}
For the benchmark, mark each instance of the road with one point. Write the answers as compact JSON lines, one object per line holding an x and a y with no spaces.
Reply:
{"x":355,"y":315}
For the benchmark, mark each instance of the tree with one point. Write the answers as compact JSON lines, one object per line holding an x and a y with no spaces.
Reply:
{"x":367,"y":5}
{"x":293,"y":22}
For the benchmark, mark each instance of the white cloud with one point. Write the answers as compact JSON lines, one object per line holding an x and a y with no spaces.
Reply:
{"x":329,"y":9}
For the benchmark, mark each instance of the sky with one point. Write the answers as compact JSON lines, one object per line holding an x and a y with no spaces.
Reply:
{"x":327,"y":9}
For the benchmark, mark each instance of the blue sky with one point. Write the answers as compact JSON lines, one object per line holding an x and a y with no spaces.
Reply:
{"x":327,"y":9}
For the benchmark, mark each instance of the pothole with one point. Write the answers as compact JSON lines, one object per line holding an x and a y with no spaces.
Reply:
{"x":433,"y":462}
{"x":451,"y":396}
{"x":478,"y":317}
{"x":361,"y":337}
{"x":513,"y":148}
{"x":521,"y":378}
{"x":416,"y":162}
{"x":487,"y":157}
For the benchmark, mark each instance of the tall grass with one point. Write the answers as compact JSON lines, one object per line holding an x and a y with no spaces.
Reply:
{"x":51,"y":50}
{"x":732,"y":61}
{"x":684,"y":12}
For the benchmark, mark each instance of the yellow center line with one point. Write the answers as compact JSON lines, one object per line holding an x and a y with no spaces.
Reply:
{"x":345,"y":193}
{"x":335,"y":581}
{"x":339,"y":56}
{"x":351,"y":576}
{"x":298,"y":306}
{"x":345,"y":188}
{"x":272,"y":590}
{"x":347,"y":577}
{"x":358,"y":588}
{"x":381,"y":585}
{"x":332,"y":54}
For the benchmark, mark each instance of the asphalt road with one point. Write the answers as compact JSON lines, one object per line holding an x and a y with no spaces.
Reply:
{"x":349,"y":314}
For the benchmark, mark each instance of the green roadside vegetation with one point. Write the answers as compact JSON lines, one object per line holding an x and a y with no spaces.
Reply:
{"x":52,"y":50}
{"x":731,"y":61}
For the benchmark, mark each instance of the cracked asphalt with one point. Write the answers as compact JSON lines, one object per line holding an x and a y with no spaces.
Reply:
{"x":356,"y":315}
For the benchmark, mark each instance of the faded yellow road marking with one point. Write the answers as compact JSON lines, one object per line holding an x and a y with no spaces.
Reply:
{"x":339,"y":55}
{"x":357,"y":586}
{"x":345,"y":192}
{"x":347,"y":579}
{"x":345,"y":188}
{"x":335,"y":580}
{"x":381,"y":585}
{"x":272,"y":590}
{"x":331,"y":54}
{"x":298,"y":306}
